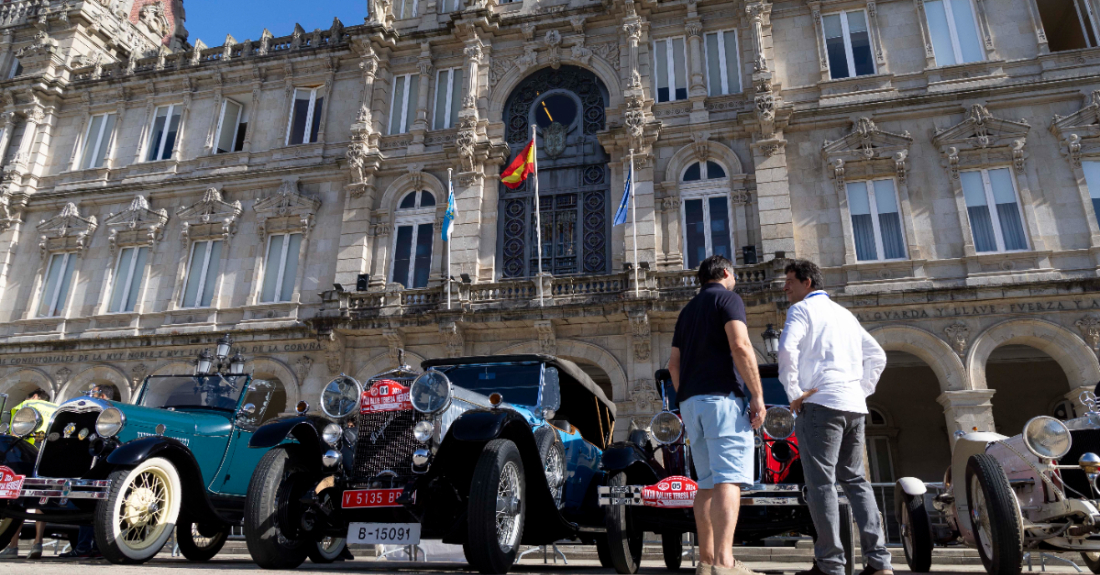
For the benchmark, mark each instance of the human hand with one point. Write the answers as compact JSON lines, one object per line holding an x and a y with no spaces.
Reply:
{"x":796,"y":405}
{"x":756,"y":412}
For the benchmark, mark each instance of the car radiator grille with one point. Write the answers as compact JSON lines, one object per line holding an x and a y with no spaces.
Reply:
{"x":385,"y":443}
{"x":1084,"y":440}
{"x":68,"y":457}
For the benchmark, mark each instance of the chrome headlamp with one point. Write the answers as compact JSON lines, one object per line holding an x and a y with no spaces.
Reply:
{"x":331,"y":434}
{"x":25,"y":421}
{"x":666,"y":428}
{"x":1046,"y":437}
{"x":109,"y":422}
{"x":778,"y":422}
{"x":431,"y":392}
{"x":340,"y":397}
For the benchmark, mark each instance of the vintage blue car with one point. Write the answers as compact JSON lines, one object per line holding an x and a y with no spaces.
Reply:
{"x":489,"y":452}
{"x":176,"y":458}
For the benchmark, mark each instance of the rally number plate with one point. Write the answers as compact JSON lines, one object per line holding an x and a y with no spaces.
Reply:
{"x":366,"y":498}
{"x":384,"y":533}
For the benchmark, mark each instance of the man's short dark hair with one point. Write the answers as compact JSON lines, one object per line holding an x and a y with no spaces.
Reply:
{"x":806,"y":270}
{"x":711,"y":269}
{"x":38,"y":393}
{"x":106,"y":390}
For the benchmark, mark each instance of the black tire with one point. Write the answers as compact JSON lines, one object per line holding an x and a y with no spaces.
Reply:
{"x":322,"y":551}
{"x":624,"y":542}
{"x":672,"y":547}
{"x":269,"y":507}
{"x":1092,"y":560}
{"x":499,"y":461}
{"x":998,"y":532}
{"x":551,"y":453}
{"x":197,"y":547}
{"x":604,"y":553}
{"x":916,"y":532}
{"x":847,"y":542}
{"x":8,"y":528}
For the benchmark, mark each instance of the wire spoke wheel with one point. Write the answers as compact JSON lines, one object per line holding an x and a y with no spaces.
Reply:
{"x":144,"y":509}
{"x":140,"y":512}
{"x":507,"y":515}
{"x":554,"y":467}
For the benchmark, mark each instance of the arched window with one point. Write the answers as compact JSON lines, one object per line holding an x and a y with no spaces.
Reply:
{"x":412,"y":250}
{"x":875,"y":418}
{"x":704,"y":194}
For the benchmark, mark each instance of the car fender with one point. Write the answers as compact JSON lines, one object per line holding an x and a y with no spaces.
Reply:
{"x":630,"y":458}
{"x":305,"y":429}
{"x":18,"y":454}
{"x":483,"y":425}
{"x":910,"y":486}
{"x":195,"y":500}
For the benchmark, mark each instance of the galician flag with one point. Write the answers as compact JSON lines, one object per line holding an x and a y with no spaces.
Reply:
{"x":520,"y":168}
{"x":449,"y":215}
{"x":624,"y":204}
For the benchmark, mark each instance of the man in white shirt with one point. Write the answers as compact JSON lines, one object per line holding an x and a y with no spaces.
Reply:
{"x":828,"y":365}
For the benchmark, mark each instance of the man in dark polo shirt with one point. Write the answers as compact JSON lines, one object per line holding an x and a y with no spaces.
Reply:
{"x":713,"y":367}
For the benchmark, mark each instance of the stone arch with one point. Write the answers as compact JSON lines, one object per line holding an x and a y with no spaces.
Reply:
{"x":383,"y":362}
{"x":175,"y":368}
{"x":687,"y":155}
{"x":507,"y":83}
{"x":409,"y":182}
{"x":1062,"y":345}
{"x":17,"y":384}
{"x":943,"y":360}
{"x":271,"y":368}
{"x":102,"y":373}
{"x":570,"y":348}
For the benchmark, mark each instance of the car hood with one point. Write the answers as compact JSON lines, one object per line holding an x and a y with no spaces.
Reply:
{"x":143,"y":421}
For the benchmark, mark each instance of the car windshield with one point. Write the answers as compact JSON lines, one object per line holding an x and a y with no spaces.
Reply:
{"x":774,"y":394}
{"x":517,"y":383}
{"x":208,"y":391}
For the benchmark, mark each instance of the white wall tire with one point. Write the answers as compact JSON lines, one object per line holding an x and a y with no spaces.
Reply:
{"x":140,"y":512}
{"x":326,"y":550}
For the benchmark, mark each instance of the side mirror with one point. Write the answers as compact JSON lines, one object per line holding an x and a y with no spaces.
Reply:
{"x":248,"y":410}
{"x":551,"y":390}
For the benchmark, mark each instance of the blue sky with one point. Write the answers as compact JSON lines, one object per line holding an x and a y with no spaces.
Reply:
{"x":211,"y":20}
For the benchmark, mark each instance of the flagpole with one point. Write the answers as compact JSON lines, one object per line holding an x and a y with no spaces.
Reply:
{"x":450,"y":190}
{"x":538,"y":215}
{"x":634,"y":224}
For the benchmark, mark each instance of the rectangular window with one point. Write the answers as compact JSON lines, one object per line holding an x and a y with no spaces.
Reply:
{"x":16,"y":70}
{"x":448,"y":88}
{"x":670,"y":62}
{"x":723,"y":65}
{"x":876,"y":223}
{"x":306,"y":112}
{"x":1092,"y":180}
{"x":993,"y":210}
{"x":453,"y":5}
{"x":403,"y":103}
{"x":412,"y":255}
{"x":881,"y":464}
{"x":848,"y":44}
{"x":97,"y":141}
{"x":707,"y":229}
{"x":129,"y":274}
{"x":55,"y":289}
{"x":232,"y":125}
{"x":202,"y":273}
{"x":405,"y":9}
{"x":954,"y":31}
{"x":1069,"y":24}
{"x":162,"y":138}
{"x":280,"y":267}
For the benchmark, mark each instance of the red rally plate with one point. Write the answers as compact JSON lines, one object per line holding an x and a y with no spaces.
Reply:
{"x":676,"y":491}
{"x":385,"y":395}
{"x":364,"y":498}
{"x":10,"y":483}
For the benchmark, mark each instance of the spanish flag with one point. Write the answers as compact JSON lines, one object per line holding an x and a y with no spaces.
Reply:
{"x":518,"y":170}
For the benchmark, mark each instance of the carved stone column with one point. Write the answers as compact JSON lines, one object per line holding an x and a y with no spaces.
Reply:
{"x":380,"y":232}
{"x":7,"y":123}
{"x":420,"y":125}
{"x":112,"y":161}
{"x":257,"y":92}
{"x":177,"y":150}
{"x":967,"y":410}
{"x":35,"y":118}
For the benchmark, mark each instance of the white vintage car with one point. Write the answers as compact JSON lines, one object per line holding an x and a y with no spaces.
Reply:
{"x":1008,"y":496}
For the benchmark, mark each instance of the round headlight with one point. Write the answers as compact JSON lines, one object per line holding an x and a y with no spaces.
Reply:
{"x":431,"y":392}
{"x":25,"y":421}
{"x":423,"y":431}
{"x":340,"y":397}
{"x":666,"y":427}
{"x":109,"y":422}
{"x":1047,"y":437}
{"x":778,"y":423}
{"x":331,"y":434}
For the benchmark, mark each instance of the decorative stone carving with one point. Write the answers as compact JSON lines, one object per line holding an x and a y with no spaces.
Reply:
{"x":869,"y":150}
{"x":528,"y":29}
{"x":548,"y":342}
{"x":287,"y":211}
{"x":63,"y":375}
{"x":301,"y":368}
{"x":209,"y":218}
{"x":699,"y":145}
{"x":579,"y":53}
{"x":984,"y":138}
{"x":1090,"y":331}
{"x":136,"y":225}
{"x":644,"y":399}
{"x":452,"y":338}
{"x":552,"y":40}
{"x":1080,"y":131}
{"x":67,"y":231}
{"x":765,"y":103}
{"x":396,"y":342}
{"x":640,"y":334}
{"x":958,"y":336}
{"x":138,"y":373}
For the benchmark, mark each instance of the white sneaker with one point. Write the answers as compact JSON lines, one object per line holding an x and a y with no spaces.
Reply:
{"x":704,"y":568}
{"x":738,"y":568}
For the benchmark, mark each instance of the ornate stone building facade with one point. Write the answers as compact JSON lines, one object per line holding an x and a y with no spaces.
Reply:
{"x":940,"y":158}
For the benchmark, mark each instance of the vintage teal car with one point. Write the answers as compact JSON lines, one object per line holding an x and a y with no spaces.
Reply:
{"x":178,"y":457}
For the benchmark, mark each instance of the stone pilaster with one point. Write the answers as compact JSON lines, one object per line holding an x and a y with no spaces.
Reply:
{"x":420,"y":124}
{"x":7,"y":123}
{"x":967,"y":411}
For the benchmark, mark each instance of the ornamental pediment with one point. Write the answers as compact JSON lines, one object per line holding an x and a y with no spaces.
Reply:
{"x":866,"y":142}
{"x":980,"y":130}
{"x":209,"y":218}
{"x":1079,"y":132}
{"x":138,"y":225}
{"x":288,"y":210}
{"x":67,"y":231}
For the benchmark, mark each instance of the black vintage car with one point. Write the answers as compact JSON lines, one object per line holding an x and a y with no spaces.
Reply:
{"x":652,"y":488}
{"x":488,"y":452}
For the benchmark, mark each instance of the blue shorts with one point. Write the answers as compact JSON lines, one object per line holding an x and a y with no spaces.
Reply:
{"x":719,"y":432}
